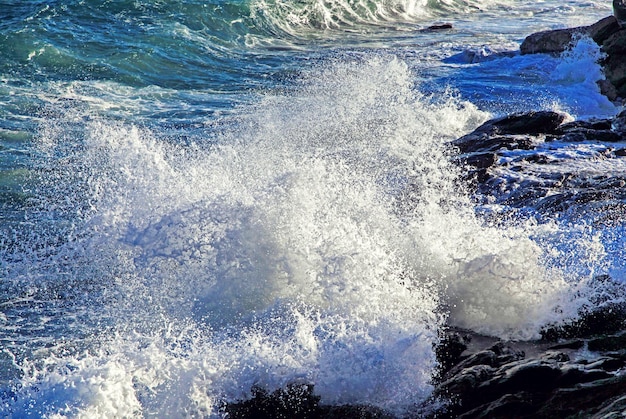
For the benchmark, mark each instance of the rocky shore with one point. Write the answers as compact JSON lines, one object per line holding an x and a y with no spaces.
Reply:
{"x":522,"y":162}
{"x":583,"y":376}
{"x":576,"y":370}
{"x":607,"y":33}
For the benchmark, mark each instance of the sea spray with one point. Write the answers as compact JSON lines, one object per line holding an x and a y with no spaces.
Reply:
{"x":319,"y":237}
{"x":579,"y":67}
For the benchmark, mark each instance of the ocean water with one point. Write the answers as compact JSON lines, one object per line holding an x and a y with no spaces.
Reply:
{"x":198,"y":199}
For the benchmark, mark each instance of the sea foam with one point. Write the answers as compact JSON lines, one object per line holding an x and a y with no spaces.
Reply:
{"x":317,"y":237}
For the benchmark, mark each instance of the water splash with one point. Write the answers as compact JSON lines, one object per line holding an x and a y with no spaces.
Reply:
{"x":318,"y":237}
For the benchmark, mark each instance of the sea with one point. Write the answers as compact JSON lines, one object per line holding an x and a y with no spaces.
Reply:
{"x":200,"y":200}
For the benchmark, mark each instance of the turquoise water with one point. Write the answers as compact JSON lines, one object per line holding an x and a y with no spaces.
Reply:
{"x":197,"y":198}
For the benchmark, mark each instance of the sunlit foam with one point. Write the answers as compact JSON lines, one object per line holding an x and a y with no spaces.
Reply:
{"x":296,"y":18}
{"x":318,"y":237}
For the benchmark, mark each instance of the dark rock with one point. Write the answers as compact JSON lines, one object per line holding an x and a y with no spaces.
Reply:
{"x":549,"y":42}
{"x":506,"y":353}
{"x":613,"y":409}
{"x":533,"y":122}
{"x":614,"y":64}
{"x":449,"y":350}
{"x":574,"y":344}
{"x":477,"y":142}
{"x":353,"y":412}
{"x":608,"y":343}
{"x":603,"y":29}
{"x":464,"y":384}
{"x":593,"y":124}
{"x":619,"y":11}
{"x":508,"y":406}
{"x":439,"y":27}
{"x":534,"y":375}
{"x":292,"y":402}
{"x":557,"y":41}
{"x":297,"y":402}
{"x":618,"y":124}
{"x":609,"y":318}
{"x":548,"y":385}
{"x":478,"y":160}
{"x":584,"y":399}
{"x":483,"y":154}
{"x":607,"y":33}
{"x":510,"y":132}
{"x":583,"y":134}
{"x":552,"y":355}
{"x":608,"y":89}
{"x":573,"y":375}
{"x":608,"y":363}
{"x":607,"y":314}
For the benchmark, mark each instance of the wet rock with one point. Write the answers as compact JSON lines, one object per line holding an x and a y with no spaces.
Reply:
{"x":484,"y":143}
{"x":609,"y":318}
{"x":463,"y":385}
{"x":607,"y":33}
{"x":609,"y":363}
{"x":511,"y":132}
{"x":438,"y":27}
{"x":549,"y":42}
{"x":508,"y":406}
{"x":573,"y":344}
{"x":583,"y":400}
{"x":614,"y":64}
{"x":618,"y":124}
{"x":584,"y":134}
{"x":606,"y":315}
{"x":532,"y":122}
{"x":603,"y":29}
{"x":615,"y":409}
{"x":501,"y":156}
{"x":449,"y":350}
{"x":619,"y":11}
{"x":608,"y":343}
{"x":557,"y":41}
{"x":297,"y":402}
{"x":550,"y":384}
{"x":478,"y":160}
{"x":592,"y":124}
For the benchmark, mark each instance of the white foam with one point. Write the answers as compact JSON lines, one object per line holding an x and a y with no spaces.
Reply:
{"x":577,"y":75}
{"x":322,"y":239}
{"x":302,"y":17}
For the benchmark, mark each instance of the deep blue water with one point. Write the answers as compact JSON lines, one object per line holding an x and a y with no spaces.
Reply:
{"x":197,"y":198}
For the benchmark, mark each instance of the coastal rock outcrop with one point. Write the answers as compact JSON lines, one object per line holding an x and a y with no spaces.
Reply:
{"x":557,"y":41}
{"x":607,"y":33}
{"x":545,"y":164}
{"x":571,"y":378}
{"x":526,"y":161}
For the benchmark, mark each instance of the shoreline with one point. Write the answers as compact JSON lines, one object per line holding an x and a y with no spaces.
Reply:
{"x":575,"y":369}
